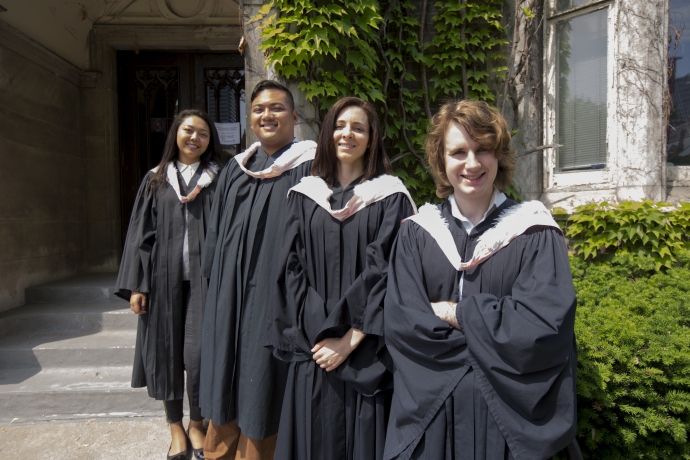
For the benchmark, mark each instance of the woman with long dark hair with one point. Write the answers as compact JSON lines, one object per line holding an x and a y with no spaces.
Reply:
{"x":160,"y":272}
{"x":327,"y":320}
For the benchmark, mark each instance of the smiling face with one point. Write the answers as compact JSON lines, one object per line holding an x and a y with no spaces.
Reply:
{"x":351,"y":136}
{"x":272,"y":121}
{"x":193,"y":137}
{"x":470,"y":168}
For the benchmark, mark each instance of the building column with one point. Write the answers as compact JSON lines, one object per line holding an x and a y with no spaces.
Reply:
{"x":637,"y":137}
{"x":103,"y":242}
{"x":256,"y":70}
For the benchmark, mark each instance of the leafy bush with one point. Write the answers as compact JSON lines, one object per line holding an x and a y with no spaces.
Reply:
{"x":633,"y":335}
{"x":635,"y":230}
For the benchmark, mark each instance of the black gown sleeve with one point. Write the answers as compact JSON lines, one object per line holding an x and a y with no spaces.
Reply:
{"x":429,"y":355}
{"x":135,"y":268}
{"x":524,"y":342}
{"x":362,"y":303}
{"x":285,"y":332}
{"x":215,"y":218}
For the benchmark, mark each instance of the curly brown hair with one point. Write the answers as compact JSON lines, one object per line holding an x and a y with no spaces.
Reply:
{"x":485,"y":125}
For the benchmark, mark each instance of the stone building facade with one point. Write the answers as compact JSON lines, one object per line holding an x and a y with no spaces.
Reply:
{"x":61,"y":146}
{"x":66,"y":154}
{"x":598,"y":97}
{"x":607,"y":69}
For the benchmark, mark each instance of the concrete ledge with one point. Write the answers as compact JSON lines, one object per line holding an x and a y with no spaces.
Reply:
{"x":105,"y":348}
{"x":82,"y":318}
{"x":64,"y":392}
{"x":92,"y":287}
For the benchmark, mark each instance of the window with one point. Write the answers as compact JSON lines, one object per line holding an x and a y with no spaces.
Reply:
{"x":563,"y":5}
{"x":678,"y":147}
{"x":581,"y":63}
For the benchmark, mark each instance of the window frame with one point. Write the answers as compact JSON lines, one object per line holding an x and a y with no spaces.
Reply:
{"x":676,"y":175}
{"x":552,"y":177}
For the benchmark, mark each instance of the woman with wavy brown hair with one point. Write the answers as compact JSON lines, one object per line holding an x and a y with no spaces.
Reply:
{"x":327,"y":320}
{"x":480,"y":308}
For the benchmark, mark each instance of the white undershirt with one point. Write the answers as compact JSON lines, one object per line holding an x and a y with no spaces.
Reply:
{"x":187,"y":172}
{"x":496,"y":200}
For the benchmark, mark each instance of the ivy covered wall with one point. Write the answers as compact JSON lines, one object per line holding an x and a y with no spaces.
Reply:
{"x":405,"y":56}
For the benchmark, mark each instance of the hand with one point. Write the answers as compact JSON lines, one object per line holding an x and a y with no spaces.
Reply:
{"x":446,"y":311}
{"x":330,"y":353}
{"x":137,"y":303}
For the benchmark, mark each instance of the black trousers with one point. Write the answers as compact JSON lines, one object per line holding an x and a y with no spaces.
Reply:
{"x":192,"y":362}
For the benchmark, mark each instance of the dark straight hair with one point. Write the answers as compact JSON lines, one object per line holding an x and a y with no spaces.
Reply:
{"x":213,"y":153}
{"x":375,"y":160}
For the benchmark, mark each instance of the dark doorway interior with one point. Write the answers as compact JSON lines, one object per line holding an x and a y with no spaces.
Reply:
{"x":152,"y":88}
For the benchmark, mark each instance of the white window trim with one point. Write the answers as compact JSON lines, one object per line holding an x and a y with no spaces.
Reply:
{"x":676,"y":175}
{"x":596,"y":178}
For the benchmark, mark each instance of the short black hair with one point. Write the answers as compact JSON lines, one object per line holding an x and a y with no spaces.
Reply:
{"x":272,"y":84}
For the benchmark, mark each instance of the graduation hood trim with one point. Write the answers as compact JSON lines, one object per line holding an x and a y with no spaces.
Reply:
{"x":366,"y":193}
{"x":299,"y":153}
{"x":204,"y":181}
{"x":512,"y":223}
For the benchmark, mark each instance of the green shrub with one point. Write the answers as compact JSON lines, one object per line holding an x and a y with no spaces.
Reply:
{"x":635,"y":229}
{"x":633,"y":340}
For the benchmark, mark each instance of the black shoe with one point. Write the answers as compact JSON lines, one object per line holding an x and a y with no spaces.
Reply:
{"x":197,"y":454}
{"x":182,"y":455}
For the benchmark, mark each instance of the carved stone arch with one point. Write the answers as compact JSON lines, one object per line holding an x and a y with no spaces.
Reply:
{"x":184,"y":9}
{"x":117,"y":7}
{"x":171,"y":11}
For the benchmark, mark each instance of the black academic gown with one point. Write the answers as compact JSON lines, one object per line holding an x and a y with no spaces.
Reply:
{"x":504,"y":386}
{"x":152,"y":263}
{"x":240,"y":380}
{"x":334,"y":277}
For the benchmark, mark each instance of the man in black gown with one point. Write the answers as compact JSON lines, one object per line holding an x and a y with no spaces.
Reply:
{"x":242,"y":386}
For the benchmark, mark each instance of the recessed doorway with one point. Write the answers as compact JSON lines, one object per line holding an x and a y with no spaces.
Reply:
{"x":152,"y":88}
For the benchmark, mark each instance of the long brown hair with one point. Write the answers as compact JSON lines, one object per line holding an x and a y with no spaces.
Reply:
{"x":485,"y":125}
{"x":213,"y":153}
{"x":375,"y":160}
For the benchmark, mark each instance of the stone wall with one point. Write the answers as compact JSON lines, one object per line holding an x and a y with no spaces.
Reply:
{"x":42,"y":174}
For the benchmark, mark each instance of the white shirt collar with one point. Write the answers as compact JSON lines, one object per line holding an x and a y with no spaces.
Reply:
{"x":496,"y":200}
{"x":183,"y":167}
{"x":187,"y":171}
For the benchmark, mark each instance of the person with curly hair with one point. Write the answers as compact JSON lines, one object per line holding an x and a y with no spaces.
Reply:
{"x":480,"y":309}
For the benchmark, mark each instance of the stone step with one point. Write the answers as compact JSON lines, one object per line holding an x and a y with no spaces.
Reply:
{"x":72,"y":393}
{"x":68,"y":355}
{"x":91,"y":287}
{"x":64,"y":317}
{"x":104,"y":348}
{"x":86,"y":317}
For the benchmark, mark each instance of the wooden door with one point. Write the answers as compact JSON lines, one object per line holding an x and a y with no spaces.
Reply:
{"x":153,"y":87}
